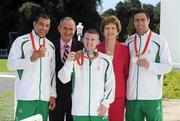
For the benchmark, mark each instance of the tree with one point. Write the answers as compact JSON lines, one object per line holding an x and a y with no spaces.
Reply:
{"x":157,"y":17}
{"x":7,"y":20}
{"x":108,"y":13}
{"x":83,"y":11}
{"x":27,"y":12}
{"x":124,"y":11}
{"x":20,"y":14}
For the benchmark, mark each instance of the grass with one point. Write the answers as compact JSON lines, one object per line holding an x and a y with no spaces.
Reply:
{"x":3,"y":67}
{"x":7,"y":107}
{"x":171,"y":86}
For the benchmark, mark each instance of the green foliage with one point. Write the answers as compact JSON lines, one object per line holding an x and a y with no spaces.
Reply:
{"x":8,"y":94}
{"x":124,"y":10}
{"x":108,"y":13}
{"x":7,"y":20}
{"x":171,"y":86}
{"x":130,"y":28}
{"x":3,"y":65}
{"x":83,"y":11}
{"x":28,"y":8}
{"x":20,"y":15}
{"x":26,"y":14}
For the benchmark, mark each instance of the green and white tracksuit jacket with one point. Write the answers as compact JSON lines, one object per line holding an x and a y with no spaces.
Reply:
{"x":93,"y":84}
{"x":34,"y":81}
{"x":146,"y":84}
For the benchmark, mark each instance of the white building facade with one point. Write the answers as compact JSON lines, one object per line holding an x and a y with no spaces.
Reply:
{"x":170,"y":27}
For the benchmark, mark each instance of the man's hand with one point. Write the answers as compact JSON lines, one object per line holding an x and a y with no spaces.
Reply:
{"x":79,"y":53}
{"x":143,"y":62}
{"x":35,"y":56}
{"x":52,"y":103}
{"x":42,"y":50}
{"x":71,"y":56}
{"x":102,"y":110}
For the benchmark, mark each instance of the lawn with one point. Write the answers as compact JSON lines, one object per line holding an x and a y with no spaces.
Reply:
{"x":171,"y":85}
{"x":7,"y":107}
{"x":3,"y":67}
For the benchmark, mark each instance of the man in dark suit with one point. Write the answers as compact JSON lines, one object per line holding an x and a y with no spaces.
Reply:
{"x":66,"y":28}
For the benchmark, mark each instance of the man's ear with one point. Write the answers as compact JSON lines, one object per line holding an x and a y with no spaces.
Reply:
{"x":82,"y":40}
{"x":98,"y":42}
{"x":58,"y":27}
{"x":148,"y":21}
{"x":34,"y":23}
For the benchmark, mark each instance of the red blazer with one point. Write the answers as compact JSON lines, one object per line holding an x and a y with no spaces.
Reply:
{"x":121,"y":66}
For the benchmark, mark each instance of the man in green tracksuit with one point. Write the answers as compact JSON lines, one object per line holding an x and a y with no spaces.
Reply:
{"x":32,"y":56}
{"x":93,"y":80}
{"x":150,"y":60}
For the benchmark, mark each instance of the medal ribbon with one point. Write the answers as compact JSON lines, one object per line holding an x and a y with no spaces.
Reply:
{"x":32,"y":41}
{"x":146,"y":45}
{"x":80,"y":61}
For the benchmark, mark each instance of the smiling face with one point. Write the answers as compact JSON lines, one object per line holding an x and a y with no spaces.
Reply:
{"x":90,"y":40}
{"x":41,"y":27}
{"x":67,"y":29}
{"x":141,"y":23}
{"x":110,"y":31}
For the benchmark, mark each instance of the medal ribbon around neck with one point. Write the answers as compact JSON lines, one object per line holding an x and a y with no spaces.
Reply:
{"x":146,"y":45}
{"x":80,"y":61}
{"x":32,"y":41}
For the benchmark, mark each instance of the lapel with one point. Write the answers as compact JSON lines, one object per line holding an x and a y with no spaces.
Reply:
{"x":58,"y":52}
{"x":116,"y":51}
{"x":73,"y":46}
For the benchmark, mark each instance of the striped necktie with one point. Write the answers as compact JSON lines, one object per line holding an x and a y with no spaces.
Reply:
{"x":66,"y":52}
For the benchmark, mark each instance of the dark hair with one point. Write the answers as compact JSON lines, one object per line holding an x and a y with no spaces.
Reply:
{"x":140,"y":11}
{"x":111,"y":19}
{"x":41,"y":15}
{"x":91,"y":31}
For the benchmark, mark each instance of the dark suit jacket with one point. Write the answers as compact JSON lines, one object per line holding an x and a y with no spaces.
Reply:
{"x":76,"y":45}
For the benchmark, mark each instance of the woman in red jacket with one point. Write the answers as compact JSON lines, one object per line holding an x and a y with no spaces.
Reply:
{"x":111,"y":27}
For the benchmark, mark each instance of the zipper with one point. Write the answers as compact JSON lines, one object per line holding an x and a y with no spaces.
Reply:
{"x":40,"y":73}
{"x":137,"y":87}
{"x":90,"y":63}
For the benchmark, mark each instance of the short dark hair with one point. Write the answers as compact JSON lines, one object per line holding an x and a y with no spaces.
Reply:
{"x":41,"y":15}
{"x":141,"y":11}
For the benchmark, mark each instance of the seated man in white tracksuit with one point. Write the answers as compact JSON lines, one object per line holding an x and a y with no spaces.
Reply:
{"x":93,"y":82}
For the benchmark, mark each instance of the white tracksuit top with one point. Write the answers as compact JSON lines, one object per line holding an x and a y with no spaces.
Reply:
{"x":34,"y":81}
{"x":93,"y":84}
{"x":146,"y":84}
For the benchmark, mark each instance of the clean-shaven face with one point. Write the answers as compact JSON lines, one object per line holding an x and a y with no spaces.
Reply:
{"x":141,"y":23}
{"x":41,"y":27}
{"x":110,"y":31}
{"x":67,"y":30}
{"x":90,"y":41}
